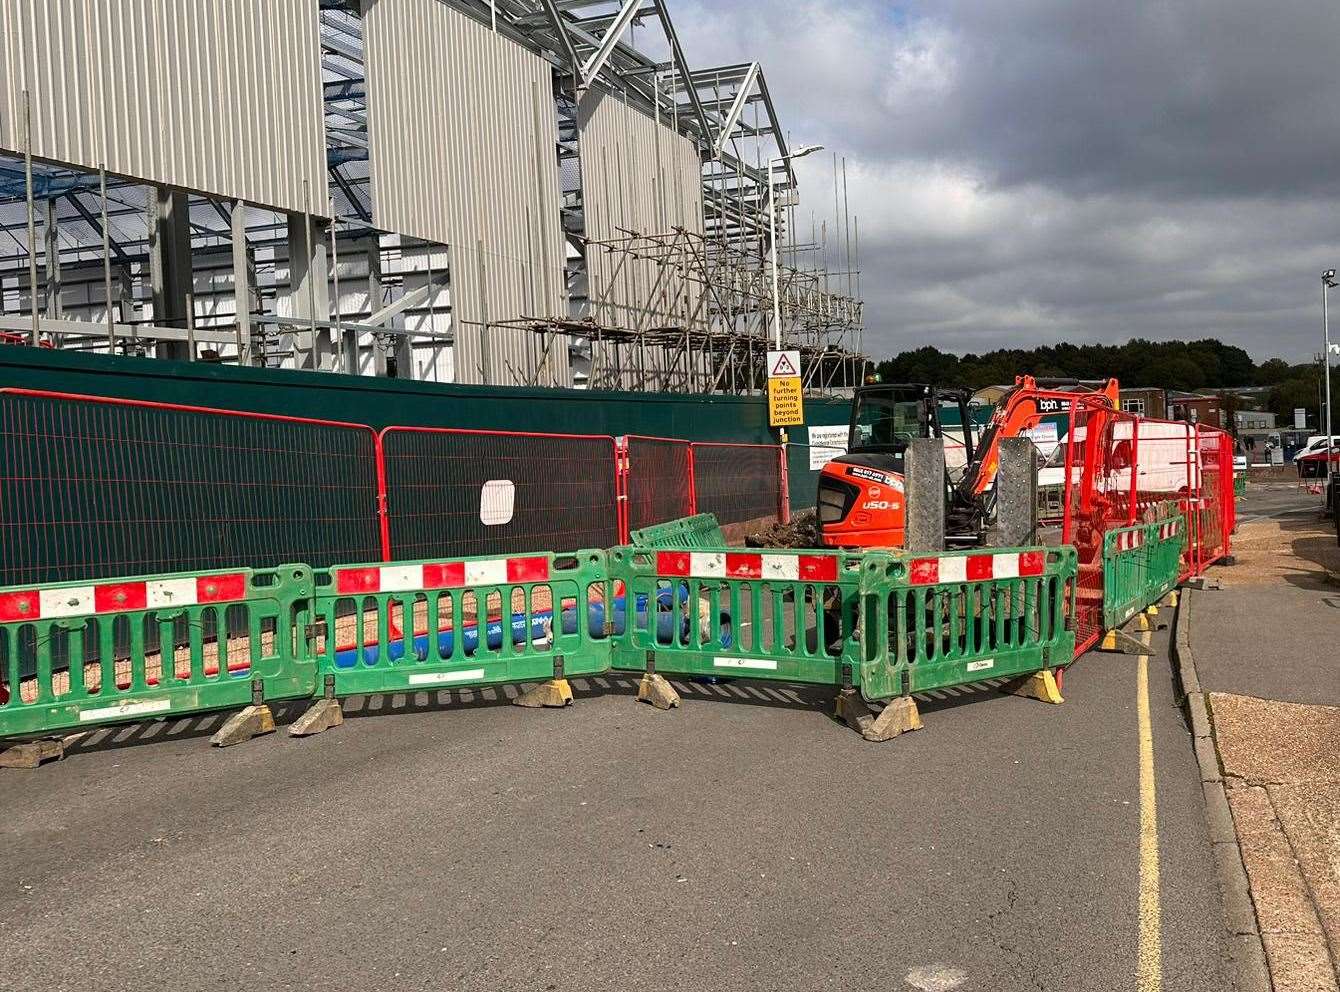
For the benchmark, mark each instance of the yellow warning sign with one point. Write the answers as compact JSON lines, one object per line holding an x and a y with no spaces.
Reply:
{"x":785,"y":408}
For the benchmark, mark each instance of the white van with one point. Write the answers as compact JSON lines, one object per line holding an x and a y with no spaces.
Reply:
{"x":1161,"y":447}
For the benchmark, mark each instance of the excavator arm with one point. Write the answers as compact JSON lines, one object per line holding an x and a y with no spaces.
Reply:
{"x":1027,"y":402}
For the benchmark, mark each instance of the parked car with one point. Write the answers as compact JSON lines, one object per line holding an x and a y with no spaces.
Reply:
{"x":1314,"y":446}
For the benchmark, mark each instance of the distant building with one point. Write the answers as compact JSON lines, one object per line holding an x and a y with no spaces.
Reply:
{"x":1195,"y":408}
{"x":1145,"y":401}
{"x":990,"y":395}
{"x":1254,"y":420}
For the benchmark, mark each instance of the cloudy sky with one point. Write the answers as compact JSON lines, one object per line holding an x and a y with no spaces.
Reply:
{"x":1031,"y":171}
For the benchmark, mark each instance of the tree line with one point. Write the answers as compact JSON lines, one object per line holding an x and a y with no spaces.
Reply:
{"x":1191,"y":366}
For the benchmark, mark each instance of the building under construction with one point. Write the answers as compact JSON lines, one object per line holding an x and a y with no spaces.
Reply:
{"x":528,"y":192}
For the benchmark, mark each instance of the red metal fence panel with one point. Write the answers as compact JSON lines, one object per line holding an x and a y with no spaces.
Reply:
{"x":658,"y":474}
{"x":463,"y":492}
{"x":1082,"y":520}
{"x":739,"y":482}
{"x":92,"y":487}
{"x":1215,"y":507}
{"x":1123,"y":470}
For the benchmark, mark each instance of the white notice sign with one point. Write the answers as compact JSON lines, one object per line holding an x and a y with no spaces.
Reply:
{"x":826,"y":443}
{"x":1045,"y":438}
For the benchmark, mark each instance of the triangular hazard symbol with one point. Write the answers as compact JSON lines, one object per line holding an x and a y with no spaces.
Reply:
{"x":783,"y":367}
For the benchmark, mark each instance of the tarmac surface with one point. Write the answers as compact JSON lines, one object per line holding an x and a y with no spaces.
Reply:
{"x":745,"y":841}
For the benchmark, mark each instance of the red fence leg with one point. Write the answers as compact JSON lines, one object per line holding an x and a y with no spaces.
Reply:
{"x":693,"y":484}
{"x":1135,"y":471}
{"x":383,"y":519}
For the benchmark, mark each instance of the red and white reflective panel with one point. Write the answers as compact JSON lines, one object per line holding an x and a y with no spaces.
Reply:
{"x":976,"y":568}
{"x":747,"y":565}
{"x":1167,"y":530}
{"x":1129,"y":540}
{"x":117,"y":597}
{"x":442,"y":575}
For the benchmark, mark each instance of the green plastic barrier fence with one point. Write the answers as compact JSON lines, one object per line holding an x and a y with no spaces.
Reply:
{"x":785,"y":615}
{"x":699,"y":531}
{"x":420,"y":625}
{"x":77,"y":654}
{"x":962,"y":617}
{"x":1140,"y":565}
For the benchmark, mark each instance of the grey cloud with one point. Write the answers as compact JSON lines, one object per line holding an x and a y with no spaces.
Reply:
{"x":1037,"y":170}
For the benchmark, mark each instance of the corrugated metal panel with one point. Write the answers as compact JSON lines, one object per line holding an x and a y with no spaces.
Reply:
{"x":463,"y":131}
{"x":638,"y":175}
{"x":217,"y":96}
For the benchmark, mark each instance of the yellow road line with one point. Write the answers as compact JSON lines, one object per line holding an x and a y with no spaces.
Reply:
{"x":1149,"y":963}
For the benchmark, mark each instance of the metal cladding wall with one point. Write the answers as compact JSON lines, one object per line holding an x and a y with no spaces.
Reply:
{"x":235,"y":82}
{"x":454,"y":110}
{"x":637,"y":175}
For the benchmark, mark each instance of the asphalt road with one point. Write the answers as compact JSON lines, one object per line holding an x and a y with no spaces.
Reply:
{"x":745,"y":841}
{"x":1280,"y":500}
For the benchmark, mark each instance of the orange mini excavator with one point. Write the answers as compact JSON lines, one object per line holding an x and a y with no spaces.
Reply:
{"x":862,"y":499}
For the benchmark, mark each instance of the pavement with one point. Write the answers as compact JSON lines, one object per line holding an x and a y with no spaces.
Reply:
{"x":1264,"y":649}
{"x":744,"y":841}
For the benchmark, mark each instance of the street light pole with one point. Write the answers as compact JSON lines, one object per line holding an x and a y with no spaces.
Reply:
{"x":800,"y":152}
{"x":772,"y":245}
{"x":1327,"y":282}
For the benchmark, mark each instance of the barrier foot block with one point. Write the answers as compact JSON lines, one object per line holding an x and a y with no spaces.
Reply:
{"x":899,"y":716}
{"x":850,"y":708}
{"x":1152,"y":610}
{"x":656,"y":690}
{"x":555,"y":692}
{"x":1142,"y":622}
{"x":30,"y":754}
{"x":1040,"y":685}
{"x":1120,"y":642}
{"x":322,"y":715}
{"x":251,"y":722}
{"x":1172,"y":599}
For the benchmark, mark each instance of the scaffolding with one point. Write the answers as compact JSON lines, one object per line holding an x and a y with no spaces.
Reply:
{"x":120,"y":264}
{"x":703,"y":325}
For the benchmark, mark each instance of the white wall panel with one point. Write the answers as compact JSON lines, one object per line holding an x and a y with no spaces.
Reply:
{"x":463,"y":132}
{"x":216,"y":96}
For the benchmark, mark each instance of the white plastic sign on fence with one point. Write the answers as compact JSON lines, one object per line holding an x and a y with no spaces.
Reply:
{"x":783,"y":364}
{"x":826,"y":443}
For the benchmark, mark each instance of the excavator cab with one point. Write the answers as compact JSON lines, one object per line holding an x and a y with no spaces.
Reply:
{"x":862,"y":498}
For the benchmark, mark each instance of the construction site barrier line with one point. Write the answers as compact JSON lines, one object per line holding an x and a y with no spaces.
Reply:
{"x":747,"y":565}
{"x":976,"y":567}
{"x":115,"y":597}
{"x":441,"y":575}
